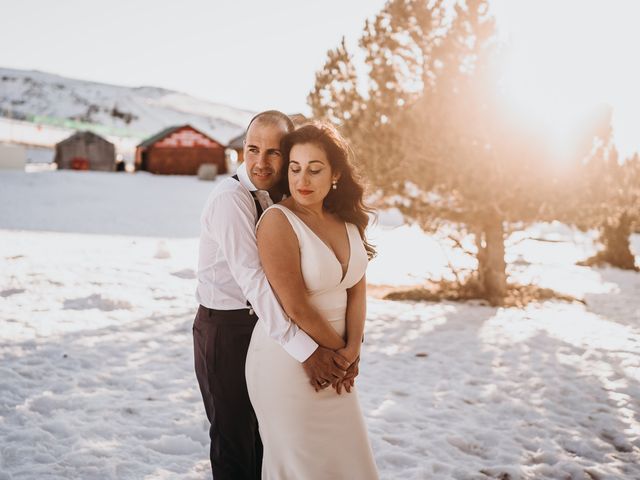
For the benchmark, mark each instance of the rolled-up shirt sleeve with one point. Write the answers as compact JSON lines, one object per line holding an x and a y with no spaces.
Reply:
{"x":230,"y":220}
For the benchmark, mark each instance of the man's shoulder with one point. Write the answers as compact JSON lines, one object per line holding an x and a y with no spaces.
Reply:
{"x":229,"y":187}
{"x":228,"y":192}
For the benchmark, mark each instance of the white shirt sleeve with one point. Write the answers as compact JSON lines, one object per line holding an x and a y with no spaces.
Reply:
{"x":231,"y":222}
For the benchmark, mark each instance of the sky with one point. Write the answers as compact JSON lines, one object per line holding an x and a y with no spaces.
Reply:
{"x":569,"y":55}
{"x":569,"y":58}
{"x":245,"y":53}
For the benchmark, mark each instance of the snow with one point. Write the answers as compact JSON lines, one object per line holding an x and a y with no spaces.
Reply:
{"x":142,"y":204}
{"x":96,"y":376}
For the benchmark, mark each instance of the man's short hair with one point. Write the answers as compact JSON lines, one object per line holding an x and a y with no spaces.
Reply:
{"x":273,"y":117}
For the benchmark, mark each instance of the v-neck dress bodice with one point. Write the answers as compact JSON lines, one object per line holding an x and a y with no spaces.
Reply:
{"x":308,"y":434}
{"x":321,"y":270}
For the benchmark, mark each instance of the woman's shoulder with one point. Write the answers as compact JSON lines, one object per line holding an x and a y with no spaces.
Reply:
{"x":273,"y":214}
{"x":275,"y":211}
{"x":276,"y":228}
{"x":277,"y":217}
{"x":277,"y":206}
{"x":284,"y":209}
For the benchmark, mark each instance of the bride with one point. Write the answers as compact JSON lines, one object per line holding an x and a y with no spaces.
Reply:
{"x":313,"y":249}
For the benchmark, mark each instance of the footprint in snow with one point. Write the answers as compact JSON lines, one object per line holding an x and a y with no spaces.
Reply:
{"x":95,"y":301}
{"x":469,"y":448}
{"x":11,"y":291}
{"x":187,"y":274}
{"x":616,"y":439}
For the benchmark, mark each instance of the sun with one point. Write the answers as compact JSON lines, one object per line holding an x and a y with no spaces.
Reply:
{"x":543,"y":99}
{"x":565,"y":60}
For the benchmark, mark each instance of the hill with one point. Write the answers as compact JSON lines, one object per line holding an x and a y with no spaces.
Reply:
{"x":134,"y":112}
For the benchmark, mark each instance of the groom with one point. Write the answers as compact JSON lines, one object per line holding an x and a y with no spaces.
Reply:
{"x":233,"y":293}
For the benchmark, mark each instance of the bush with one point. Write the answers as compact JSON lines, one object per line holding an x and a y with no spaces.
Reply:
{"x":207,"y":171}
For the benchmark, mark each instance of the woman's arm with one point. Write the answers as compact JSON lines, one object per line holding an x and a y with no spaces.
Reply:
{"x":356,"y":313}
{"x":279,"y":252}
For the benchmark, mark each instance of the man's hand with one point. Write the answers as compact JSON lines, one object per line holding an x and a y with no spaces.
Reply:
{"x":349,"y":379}
{"x":324,"y":367}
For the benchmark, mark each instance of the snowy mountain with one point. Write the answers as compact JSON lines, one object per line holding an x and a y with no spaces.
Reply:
{"x":136,"y":112}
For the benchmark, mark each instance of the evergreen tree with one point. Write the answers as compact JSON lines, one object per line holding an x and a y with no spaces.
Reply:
{"x":396,"y":49}
{"x":604,"y":194}
{"x":431,"y":127}
{"x":335,"y":97}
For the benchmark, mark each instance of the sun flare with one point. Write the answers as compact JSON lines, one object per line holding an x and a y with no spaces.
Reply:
{"x":566,"y":60}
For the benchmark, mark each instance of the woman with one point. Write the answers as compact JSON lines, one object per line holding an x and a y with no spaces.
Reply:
{"x":313,"y":249}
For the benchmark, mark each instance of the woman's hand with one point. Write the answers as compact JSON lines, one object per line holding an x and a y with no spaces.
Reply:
{"x":351,"y":353}
{"x":348,"y":381}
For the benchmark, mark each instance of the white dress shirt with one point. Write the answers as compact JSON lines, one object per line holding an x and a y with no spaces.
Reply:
{"x":229,"y":269}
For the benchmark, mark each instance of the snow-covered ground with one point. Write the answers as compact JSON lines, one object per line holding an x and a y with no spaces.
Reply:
{"x":96,"y":379}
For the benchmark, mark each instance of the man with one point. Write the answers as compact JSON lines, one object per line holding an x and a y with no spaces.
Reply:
{"x":233,"y":293}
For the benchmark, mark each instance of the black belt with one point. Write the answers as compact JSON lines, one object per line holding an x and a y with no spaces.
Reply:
{"x":239,"y":315}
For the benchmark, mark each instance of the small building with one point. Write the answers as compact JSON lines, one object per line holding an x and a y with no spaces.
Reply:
{"x":12,"y":157}
{"x":86,"y":151}
{"x":40,"y":155}
{"x":179,"y":150}
{"x":237,"y":145}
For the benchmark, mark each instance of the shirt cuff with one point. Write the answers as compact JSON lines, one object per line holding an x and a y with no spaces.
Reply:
{"x":301,"y":346}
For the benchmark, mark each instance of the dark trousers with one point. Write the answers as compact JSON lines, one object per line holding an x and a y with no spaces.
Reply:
{"x":220,"y":341}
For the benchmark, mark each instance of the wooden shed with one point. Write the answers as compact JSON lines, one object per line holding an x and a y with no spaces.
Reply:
{"x":179,"y":150}
{"x":86,"y":151}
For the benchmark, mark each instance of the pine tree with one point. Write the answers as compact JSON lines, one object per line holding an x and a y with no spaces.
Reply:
{"x":395,"y":48}
{"x":335,"y":97}
{"x":432,"y":128}
{"x":604,"y":194}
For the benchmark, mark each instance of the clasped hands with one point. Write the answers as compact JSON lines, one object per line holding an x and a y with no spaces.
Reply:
{"x":336,"y":368}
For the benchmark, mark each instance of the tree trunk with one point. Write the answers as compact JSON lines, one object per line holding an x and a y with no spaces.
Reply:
{"x":615,"y":238}
{"x":491,"y":265}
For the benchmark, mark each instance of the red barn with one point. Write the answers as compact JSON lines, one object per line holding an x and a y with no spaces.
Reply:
{"x":179,"y":151}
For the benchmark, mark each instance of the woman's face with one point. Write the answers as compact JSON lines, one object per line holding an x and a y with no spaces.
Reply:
{"x":310,"y":174}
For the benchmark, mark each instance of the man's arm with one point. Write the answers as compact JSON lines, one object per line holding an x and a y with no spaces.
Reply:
{"x":231,"y":221}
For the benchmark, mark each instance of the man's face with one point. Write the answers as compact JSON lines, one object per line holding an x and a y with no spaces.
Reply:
{"x":262,"y":154}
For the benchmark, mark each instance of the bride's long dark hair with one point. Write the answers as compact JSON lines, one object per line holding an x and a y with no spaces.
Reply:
{"x":347,"y":200}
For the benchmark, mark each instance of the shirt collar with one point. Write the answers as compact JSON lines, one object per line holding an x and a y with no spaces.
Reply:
{"x":243,"y":176}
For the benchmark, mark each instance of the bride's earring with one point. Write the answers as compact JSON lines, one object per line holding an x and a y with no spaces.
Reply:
{"x":334,"y":184}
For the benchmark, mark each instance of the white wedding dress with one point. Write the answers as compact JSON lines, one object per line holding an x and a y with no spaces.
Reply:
{"x":309,"y":435}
